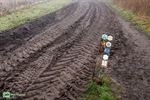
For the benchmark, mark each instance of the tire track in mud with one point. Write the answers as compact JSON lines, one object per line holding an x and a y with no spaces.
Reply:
{"x":54,"y":71}
{"x":41,"y":41}
{"x":57,"y":63}
{"x":58,"y":46}
{"x":50,"y":66}
{"x":46,"y":57}
{"x":74,"y":88}
{"x":75,"y":64}
{"x":13,"y":38}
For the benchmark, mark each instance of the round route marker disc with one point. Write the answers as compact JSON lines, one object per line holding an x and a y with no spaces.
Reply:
{"x":108,"y":44}
{"x":110,"y":38}
{"x":104,"y":37}
{"x":105,"y":57}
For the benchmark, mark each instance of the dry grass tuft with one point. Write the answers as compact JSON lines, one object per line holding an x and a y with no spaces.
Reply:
{"x":140,"y":7}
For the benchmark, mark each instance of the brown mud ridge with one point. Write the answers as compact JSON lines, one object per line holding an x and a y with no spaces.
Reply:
{"x":52,"y":58}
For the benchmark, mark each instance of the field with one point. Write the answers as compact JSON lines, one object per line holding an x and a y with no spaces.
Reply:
{"x":53,"y":57}
{"x":7,"y":6}
{"x":25,"y":15}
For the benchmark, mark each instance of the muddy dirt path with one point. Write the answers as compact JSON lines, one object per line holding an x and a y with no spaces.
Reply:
{"x":53,"y":57}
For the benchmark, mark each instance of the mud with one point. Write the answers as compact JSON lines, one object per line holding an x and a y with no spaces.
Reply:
{"x":53,"y":57}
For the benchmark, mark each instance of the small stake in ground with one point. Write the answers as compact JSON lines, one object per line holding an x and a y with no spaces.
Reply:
{"x":103,"y":57}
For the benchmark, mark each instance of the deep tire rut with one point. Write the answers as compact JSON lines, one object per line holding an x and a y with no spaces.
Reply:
{"x":57,"y":56}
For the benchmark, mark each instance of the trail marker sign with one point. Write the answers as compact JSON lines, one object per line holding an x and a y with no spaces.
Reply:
{"x":110,"y":38}
{"x":104,"y":37}
{"x":104,"y":63}
{"x":108,"y":44}
{"x":105,"y":57}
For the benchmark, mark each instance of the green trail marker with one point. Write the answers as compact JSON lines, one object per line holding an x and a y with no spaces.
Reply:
{"x":6,"y":95}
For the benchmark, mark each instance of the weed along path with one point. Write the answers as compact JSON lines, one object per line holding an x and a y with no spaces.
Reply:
{"x":54,"y":57}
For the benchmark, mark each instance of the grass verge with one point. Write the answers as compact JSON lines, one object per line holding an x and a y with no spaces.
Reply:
{"x":21,"y":16}
{"x":100,"y":91}
{"x":141,"y":22}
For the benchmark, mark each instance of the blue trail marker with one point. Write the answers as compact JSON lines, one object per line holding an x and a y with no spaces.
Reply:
{"x":107,"y":51}
{"x":104,"y":37}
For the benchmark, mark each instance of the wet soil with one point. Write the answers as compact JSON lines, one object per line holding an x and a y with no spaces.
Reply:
{"x":52,"y":58}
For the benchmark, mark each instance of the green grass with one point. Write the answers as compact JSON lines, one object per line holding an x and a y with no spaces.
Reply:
{"x":21,"y":16}
{"x":99,"y":92}
{"x":141,"y":22}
